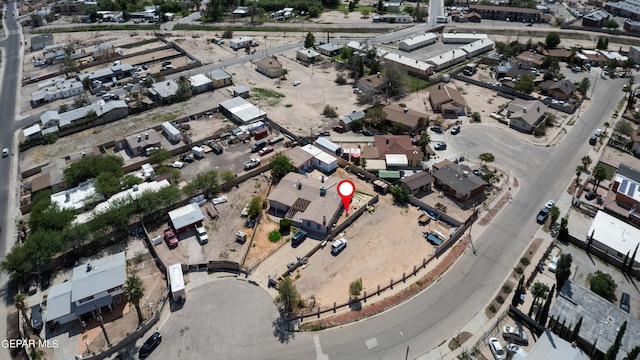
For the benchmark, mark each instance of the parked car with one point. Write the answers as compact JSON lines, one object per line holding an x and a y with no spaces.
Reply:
{"x":497,"y":350}
{"x":593,"y":140}
{"x":265,"y":150}
{"x":576,"y":69}
{"x":203,"y":237}
{"x":101,"y":92}
{"x":338,"y":128}
{"x":590,"y":195}
{"x":251,"y":164}
{"x":553,"y":264}
{"x":296,"y":83}
{"x":170,"y":238}
{"x":5,"y":152}
{"x":455,"y":129}
{"x":440,"y":146}
{"x":543,"y":214}
{"x":338,"y":246}
{"x":550,"y":204}
{"x":178,"y":164}
{"x":219,"y":200}
{"x":152,"y":342}
{"x":477,"y":172}
{"x":625,"y":301}
{"x":515,"y":335}
{"x":598,"y":132}
{"x":36,"y":318}
{"x":367,"y":132}
{"x":298,"y":237}
{"x":436,"y":129}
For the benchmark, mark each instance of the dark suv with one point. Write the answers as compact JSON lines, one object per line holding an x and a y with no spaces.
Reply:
{"x":625,"y":299}
{"x":151,"y":343}
{"x":543,"y":214}
{"x":298,"y":238}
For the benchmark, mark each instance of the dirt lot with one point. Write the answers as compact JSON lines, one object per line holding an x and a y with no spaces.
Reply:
{"x":221,"y":231}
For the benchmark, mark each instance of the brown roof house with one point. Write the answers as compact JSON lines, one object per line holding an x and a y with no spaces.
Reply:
{"x":559,"y":90}
{"x":636,"y":142}
{"x":533,"y":59}
{"x":404,"y":119}
{"x":447,"y":100}
{"x":526,"y":115}
{"x":458,"y":181}
{"x":302,"y":160}
{"x":394,"y":145}
{"x":270,"y":66}
{"x":372,"y":83}
{"x":308,"y":201}
{"x":626,"y":186}
{"x":418,"y":183}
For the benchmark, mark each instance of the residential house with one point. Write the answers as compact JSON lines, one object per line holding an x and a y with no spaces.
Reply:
{"x":473,"y":17}
{"x":38,"y":42}
{"x":69,"y":8}
{"x":241,"y":111}
{"x":552,"y":346}
{"x":447,"y":100}
{"x":404,"y":119}
{"x":59,"y":90}
{"x":32,"y":132}
{"x":347,"y":120}
{"x":241,"y":91}
{"x":220,"y":78}
{"x":103,"y":52}
{"x":418,"y":41}
{"x":626,"y":186}
{"x":477,"y":47}
{"x":240,"y":42}
{"x":526,"y":115}
{"x":393,"y":18}
{"x":560,"y":54}
{"x":241,"y":11}
{"x":533,"y":59}
{"x":462,"y":38}
{"x":270,"y":67}
{"x":321,"y":159}
{"x":447,"y":59}
{"x":50,"y":119}
{"x":458,"y":181}
{"x":514,"y":69}
{"x":302,"y":160}
{"x":373,"y":84}
{"x":636,"y":142}
{"x":200,"y":83}
{"x":137,"y":144}
{"x":514,"y":14}
{"x":329,"y":49}
{"x":414,"y":67}
{"x":186,"y":217}
{"x":595,"y":18}
{"x":164,"y":91}
{"x":308,"y":56}
{"x":631,"y":26}
{"x":418,"y":183}
{"x":96,"y":285}
{"x":308,"y":201}
{"x":106,"y":112}
{"x":390,"y":145}
{"x":600,"y":320}
{"x":559,"y":90}
{"x":627,"y":8}
{"x":392,"y":6}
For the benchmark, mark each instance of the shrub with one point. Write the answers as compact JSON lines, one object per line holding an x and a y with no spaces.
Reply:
{"x":285,"y":226}
{"x":493,"y":308}
{"x":500,"y":299}
{"x":506,"y":289}
{"x":603,"y":285}
{"x":519,"y":270}
{"x":275,"y":236}
{"x":525,"y":261}
{"x":330,"y":112}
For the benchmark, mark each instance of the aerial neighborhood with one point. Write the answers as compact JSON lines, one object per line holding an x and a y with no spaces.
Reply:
{"x":329,"y":179}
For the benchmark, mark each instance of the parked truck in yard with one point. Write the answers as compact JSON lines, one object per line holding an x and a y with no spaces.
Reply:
{"x":252,"y":164}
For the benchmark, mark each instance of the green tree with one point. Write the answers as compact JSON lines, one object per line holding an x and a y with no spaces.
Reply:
{"x":309,"y":40}
{"x":285,"y":226}
{"x":400,"y":194}
{"x":554,"y":213}
{"x":255,"y":207}
{"x":80,"y":101}
{"x":584,"y":85}
{"x":134,"y":292}
{"x":68,"y":66}
{"x":544,"y":313}
{"x":576,"y":331}
{"x":90,"y":167}
{"x":563,"y":271}
{"x":17,"y":264}
{"x":281,"y":165}
{"x":107,"y":184}
{"x":365,"y":12}
{"x":524,"y":84}
{"x":552,"y":40}
{"x":579,"y":170}
{"x":603,"y":43}
{"x":634,"y":354}
{"x":288,"y":297}
{"x":476,"y":116}
{"x":486,"y":158}
{"x":425,"y":139}
{"x":129,"y":180}
{"x":624,"y":127}
{"x":206,"y":182}
{"x":397,"y":81}
{"x":611,"y":24}
{"x":586,"y":161}
{"x":563,"y":233}
{"x":599,"y":173}
{"x":355,"y":288}
{"x":538,"y":290}
{"x":20,"y":301}
{"x":520,"y":290}
{"x":374,"y":116}
{"x":380,"y":7}
{"x":63,"y":108}
{"x":603,"y":285}
{"x":227,"y":175}
{"x":159,"y":155}
{"x":612,"y":353}
{"x":214,"y":10}
{"x":375,"y":68}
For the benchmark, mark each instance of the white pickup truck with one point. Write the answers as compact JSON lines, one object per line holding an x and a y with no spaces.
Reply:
{"x":252,"y":164}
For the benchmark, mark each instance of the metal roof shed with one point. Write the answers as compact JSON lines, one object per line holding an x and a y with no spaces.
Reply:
{"x":396,"y":160}
{"x":186,"y":216}
{"x":329,"y":146}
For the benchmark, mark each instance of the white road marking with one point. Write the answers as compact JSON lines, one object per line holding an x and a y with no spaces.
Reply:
{"x":319,"y":354}
{"x":371,"y":343}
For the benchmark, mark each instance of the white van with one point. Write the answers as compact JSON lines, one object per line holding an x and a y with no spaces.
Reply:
{"x":338,"y":245}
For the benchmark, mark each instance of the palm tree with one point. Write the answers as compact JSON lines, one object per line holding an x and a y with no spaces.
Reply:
{"x":599,"y":173}
{"x":555,"y":214}
{"x":425,"y":139}
{"x":23,"y":227}
{"x":579,"y":170}
{"x":538,"y":290}
{"x":133,"y":292}
{"x":20,"y":300}
{"x":586,"y":161}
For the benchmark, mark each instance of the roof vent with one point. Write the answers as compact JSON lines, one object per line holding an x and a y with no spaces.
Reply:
{"x":299,"y":185}
{"x":387,"y":140}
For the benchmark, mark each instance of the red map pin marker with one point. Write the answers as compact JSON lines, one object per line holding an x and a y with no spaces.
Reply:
{"x":346,"y":189}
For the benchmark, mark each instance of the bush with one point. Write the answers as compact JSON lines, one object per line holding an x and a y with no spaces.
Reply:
{"x":330,"y":112}
{"x":603,"y":285}
{"x":493,"y":308}
{"x":519,"y":270}
{"x":506,"y":289}
{"x":275,"y":236}
{"x":285,"y":226}
{"x":227,"y":34}
{"x":500,"y":299}
{"x":525,"y":261}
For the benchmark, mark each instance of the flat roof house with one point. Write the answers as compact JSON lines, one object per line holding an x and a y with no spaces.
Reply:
{"x":220,"y":78}
{"x":270,"y":67}
{"x":302,"y":160}
{"x":329,"y":49}
{"x":308,"y":56}
{"x":413,"y":67}
{"x":614,"y":236}
{"x":626,"y":186}
{"x":200,"y":83}
{"x":458,"y":181}
{"x":38,"y":42}
{"x":310,"y":202}
{"x":94,"y":285}
{"x":164,"y":91}
{"x":137,"y":144}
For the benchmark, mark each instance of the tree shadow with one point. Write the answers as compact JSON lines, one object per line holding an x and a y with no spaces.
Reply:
{"x":283,"y":329}
{"x":8,"y":292}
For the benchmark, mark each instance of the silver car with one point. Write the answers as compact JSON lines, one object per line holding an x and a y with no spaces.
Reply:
{"x":497,"y":350}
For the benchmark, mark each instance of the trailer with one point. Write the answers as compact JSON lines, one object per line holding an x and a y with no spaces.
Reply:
{"x":176,"y":282}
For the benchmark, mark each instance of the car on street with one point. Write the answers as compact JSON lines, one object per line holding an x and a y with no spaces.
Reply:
{"x":625,"y":301}
{"x":265,"y":150}
{"x":170,"y":238}
{"x":543,"y":214}
{"x":5,"y":152}
{"x":598,"y":132}
{"x":296,"y":83}
{"x":477,"y":172}
{"x":455,"y":129}
{"x":436,"y":129}
{"x":515,"y":335}
{"x":298,"y":238}
{"x":203,"y":237}
{"x":497,"y":350}
{"x":440,"y":146}
{"x":152,"y":342}
{"x":101,"y":92}
{"x":553,"y":264}
{"x":550,"y":204}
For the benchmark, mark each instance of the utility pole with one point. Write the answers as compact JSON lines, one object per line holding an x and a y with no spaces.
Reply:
{"x":474,"y":217}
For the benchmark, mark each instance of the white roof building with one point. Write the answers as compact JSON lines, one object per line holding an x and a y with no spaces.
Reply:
{"x":321,"y":160}
{"x":76,"y":197}
{"x":242,"y":111}
{"x":415,"y":42}
{"x":614,"y":236}
{"x":455,"y":38}
{"x":396,"y":160}
{"x":186,"y":216}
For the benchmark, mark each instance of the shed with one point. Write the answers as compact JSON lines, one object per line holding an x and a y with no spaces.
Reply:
{"x":186,"y":217}
{"x":329,"y":146}
{"x":329,"y":49}
{"x":32,"y":132}
{"x":200,"y":83}
{"x":241,"y":111}
{"x":170,"y":131}
{"x":241,"y":91}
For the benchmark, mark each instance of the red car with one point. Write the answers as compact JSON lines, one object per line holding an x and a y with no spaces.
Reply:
{"x":170,"y":238}
{"x":265,"y":150}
